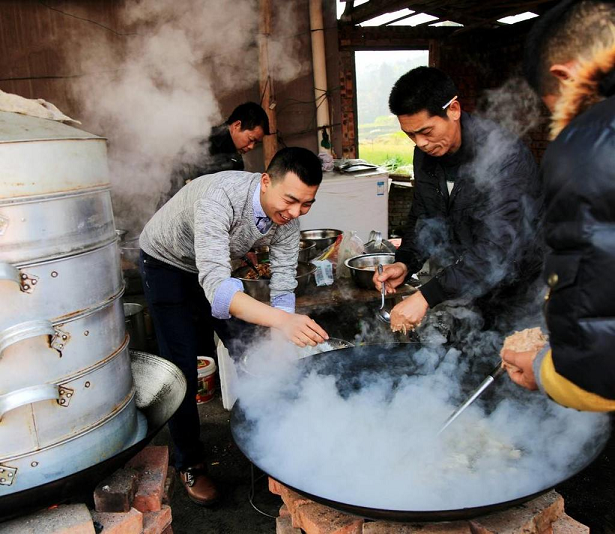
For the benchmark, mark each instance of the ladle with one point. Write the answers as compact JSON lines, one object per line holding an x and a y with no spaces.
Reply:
{"x":383,"y":314}
{"x":493,"y":375}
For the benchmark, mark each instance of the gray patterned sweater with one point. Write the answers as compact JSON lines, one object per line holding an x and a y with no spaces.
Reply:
{"x":210,"y":222}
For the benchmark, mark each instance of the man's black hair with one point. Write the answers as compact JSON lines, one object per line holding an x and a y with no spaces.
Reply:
{"x":300,"y":161}
{"x":422,"y":89}
{"x":566,"y":32}
{"x":251,"y":116}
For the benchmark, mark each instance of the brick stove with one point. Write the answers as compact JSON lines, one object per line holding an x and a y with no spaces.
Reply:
{"x":133,"y":500}
{"x":543,"y":515}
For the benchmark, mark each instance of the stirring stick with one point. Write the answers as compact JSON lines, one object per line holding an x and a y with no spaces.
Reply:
{"x":493,"y":375}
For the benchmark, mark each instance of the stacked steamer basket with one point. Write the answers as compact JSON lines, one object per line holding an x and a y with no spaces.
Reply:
{"x":67,"y":399}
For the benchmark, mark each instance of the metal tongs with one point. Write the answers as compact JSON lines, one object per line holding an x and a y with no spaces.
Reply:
{"x":383,"y":314}
{"x":496,"y":372}
{"x":252,"y":266}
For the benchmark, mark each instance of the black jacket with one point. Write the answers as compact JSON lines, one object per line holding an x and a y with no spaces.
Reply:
{"x":579,"y":175}
{"x":486,"y":235}
{"x":206,"y":155}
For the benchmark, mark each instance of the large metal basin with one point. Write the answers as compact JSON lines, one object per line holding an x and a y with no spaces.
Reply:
{"x":362,"y":267}
{"x":323,"y":237}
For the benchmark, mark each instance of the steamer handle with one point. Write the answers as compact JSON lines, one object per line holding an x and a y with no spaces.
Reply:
{"x":28,"y":395}
{"x":8,"y":272}
{"x":22,"y":331}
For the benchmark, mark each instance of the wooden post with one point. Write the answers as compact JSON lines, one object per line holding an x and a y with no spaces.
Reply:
{"x":270,"y":142}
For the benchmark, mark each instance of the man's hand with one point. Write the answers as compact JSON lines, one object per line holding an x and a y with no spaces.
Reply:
{"x":394,"y":275}
{"x":409,"y":312}
{"x":301,"y":330}
{"x":519,"y":367}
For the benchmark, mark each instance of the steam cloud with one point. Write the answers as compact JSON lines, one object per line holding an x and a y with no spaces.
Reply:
{"x":375,"y":444}
{"x":153,"y":89}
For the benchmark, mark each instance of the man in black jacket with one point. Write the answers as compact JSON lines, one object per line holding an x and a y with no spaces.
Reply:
{"x":477,"y":203}
{"x":570,"y":62}
{"x":223,"y":148}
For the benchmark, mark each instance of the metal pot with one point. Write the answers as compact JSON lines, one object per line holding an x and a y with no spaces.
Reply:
{"x":44,"y":157}
{"x":55,"y":290}
{"x":356,"y":368}
{"x":307,"y":251}
{"x":40,"y":415}
{"x":259,"y":288}
{"x":37,"y":228}
{"x":362,"y":267}
{"x":135,"y":325}
{"x":39,"y":351}
{"x":160,"y":389}
{"x":323,"y":237}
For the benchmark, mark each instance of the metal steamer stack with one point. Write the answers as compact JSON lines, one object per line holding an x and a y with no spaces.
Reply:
{"x":67,"y":398}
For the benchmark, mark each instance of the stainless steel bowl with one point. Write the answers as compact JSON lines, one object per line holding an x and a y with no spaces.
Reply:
{"x":307,"y":251}
{"x":259,"y":289}
{"x":362,"y":267}
{"x":322,"y":237}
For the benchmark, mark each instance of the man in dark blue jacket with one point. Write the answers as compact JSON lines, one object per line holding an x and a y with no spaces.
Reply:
{"x":477,"y":203}
{"x":570,"y":62}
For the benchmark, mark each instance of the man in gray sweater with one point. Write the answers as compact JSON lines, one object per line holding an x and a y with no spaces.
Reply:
{"x":186,"y":253}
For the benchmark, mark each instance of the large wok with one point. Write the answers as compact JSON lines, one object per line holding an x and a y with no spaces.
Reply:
{"x":350,"y":367}
{"x":160,"y":388}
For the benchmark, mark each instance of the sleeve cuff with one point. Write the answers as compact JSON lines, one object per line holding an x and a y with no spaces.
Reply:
{"x":432,"y":292}
{"x":284,"y":302}
{"x":537,"y":364}
{"x":222,"y":299}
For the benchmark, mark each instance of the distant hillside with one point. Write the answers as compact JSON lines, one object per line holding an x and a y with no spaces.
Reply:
{"x":375,"y":80}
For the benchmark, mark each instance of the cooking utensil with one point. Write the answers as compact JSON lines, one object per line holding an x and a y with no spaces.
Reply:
{"x":383,"y":314}
{"x":252,"y":266}
{"x":363,"y":266}
{"x":493,"y":376}
{"x":360,"y":367}
{"x":160,"y":389}
{"x":307,"y":250}
{"x":259,"y":289}
{"x":323,"y":237}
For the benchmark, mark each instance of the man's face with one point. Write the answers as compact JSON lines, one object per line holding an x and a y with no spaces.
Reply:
{"x":434,"y":135}
{"x":245,"y":140}
{"x":286,"y":199}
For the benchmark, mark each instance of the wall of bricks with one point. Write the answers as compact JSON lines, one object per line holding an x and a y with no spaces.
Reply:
{"x":543,"y":515}
{"x":400,"y":201}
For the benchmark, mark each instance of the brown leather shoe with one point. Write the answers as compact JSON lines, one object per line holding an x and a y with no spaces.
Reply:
{"x":201,"y":489}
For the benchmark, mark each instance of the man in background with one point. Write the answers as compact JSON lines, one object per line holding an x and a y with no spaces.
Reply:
{"x":570,"y":63}
{"x":475,"y":212}
{"x":223,"y":148}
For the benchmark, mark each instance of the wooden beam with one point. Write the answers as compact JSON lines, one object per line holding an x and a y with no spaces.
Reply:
{"x":270,"y":142}
{"x":396,"y":37}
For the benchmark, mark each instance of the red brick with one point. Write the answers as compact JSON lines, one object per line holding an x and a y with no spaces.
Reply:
{"x":284,"y":525}
{"x":157,"y":522}
{"x":318,"y":519}
{"x":533,"y":517}
{"x":169,"y":486}
{"x":63,"y":519}
{"x":151,"y":464}
{"x":567,"y":525}
{"x":284,"y":512}
{"x":380,"y":527}
{"x":275,"y":487}
{"x":115,"y":493}
{"x":130,"y":522}
{"x":168,"y":530}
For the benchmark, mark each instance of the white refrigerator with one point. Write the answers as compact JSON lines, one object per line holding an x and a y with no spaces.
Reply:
{"x":356,"y":201}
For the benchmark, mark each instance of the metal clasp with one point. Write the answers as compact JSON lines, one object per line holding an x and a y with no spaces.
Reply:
{"x":66,"y":394}
{"x":59,"y":339}
{"x":7,"y":475}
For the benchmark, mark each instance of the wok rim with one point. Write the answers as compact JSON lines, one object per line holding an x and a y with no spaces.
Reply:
{"x":405,"y":516}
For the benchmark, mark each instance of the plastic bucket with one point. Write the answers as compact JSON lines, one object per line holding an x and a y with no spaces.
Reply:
{"x":206,"y":371}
